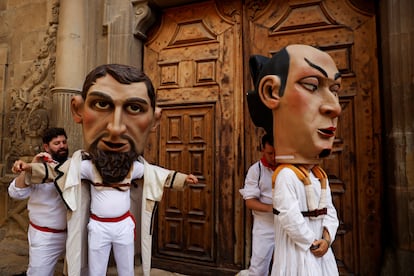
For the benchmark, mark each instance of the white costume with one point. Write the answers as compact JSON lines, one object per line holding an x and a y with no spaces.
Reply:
{"x":47,"y":227}
{"x":294,"y":233}
{"x":258,"y":184}
{"x":144,"y":200}
{"x":111,"y":224}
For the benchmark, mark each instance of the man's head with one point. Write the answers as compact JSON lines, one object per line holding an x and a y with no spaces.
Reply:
{"x":268,"y":151}
{"x":117,"y":110}
{"x":55,"y":143}
{"x":298,"y":88}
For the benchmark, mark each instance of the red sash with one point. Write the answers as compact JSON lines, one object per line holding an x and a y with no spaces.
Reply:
{"x":116,"y":219}
{"x":46,"y":229}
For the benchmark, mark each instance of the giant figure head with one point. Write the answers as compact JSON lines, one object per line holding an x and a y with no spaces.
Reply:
{"x":296,"y":99}
{"x":117,"y":110}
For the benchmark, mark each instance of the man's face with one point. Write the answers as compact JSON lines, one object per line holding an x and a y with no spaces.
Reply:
{"x":269,"y":154}
{"x":307,"y":115}
{"x":58,"y":148}
{"x":118,"y":117}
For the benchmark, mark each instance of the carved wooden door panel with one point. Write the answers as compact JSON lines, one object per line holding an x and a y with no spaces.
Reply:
{"x":185,"y":224}
{"x":193,"y":58}
{"x":347,"y":33}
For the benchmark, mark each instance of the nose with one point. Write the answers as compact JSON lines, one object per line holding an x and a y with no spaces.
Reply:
{"x":117,"y":126}
{"x":330,"y":106}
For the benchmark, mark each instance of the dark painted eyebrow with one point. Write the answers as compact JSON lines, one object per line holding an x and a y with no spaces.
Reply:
{"x":99,"y":94}
{"x":337,"y":75}
{"x":107,"y":97}
{"x":316,"y":67}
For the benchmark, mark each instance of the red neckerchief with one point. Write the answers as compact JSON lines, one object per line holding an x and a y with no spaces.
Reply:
{"x":266,"y":164}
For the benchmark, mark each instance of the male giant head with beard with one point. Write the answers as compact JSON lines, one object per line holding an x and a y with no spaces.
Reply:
{"x":117,"y":112}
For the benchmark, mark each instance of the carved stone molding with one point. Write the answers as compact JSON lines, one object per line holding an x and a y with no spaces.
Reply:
{"x":143,"y":18}
{"x":31,"y":102}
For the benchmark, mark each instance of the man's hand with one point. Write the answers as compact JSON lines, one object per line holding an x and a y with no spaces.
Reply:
{"x":319,"y":247}
{"x":21,"y":166}
{"x":191,"y":179}
{"x":43,"y":157}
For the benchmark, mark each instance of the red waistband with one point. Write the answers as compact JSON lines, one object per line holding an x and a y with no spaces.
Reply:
{"x":124,"y":216}
{"x":46,"y":229}
{"x":116,"y":219}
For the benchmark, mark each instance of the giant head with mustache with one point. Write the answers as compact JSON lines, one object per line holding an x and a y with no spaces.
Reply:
{"x":296,"y":99}
{"x":117,"y":112}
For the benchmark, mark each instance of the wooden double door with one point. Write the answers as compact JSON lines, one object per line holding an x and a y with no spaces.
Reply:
{"x":197,"y":57}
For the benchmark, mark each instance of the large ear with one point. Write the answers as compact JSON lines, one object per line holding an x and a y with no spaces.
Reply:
{"x":157,"y":118}
{"x":76,"y":107}
{"x":46,"y":147}
{"x":268,"y":90}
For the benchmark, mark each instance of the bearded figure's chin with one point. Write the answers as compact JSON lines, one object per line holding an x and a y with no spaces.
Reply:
{"x":112,"y":166}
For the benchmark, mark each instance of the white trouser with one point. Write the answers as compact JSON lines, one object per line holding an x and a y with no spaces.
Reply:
{"x":263,"y":244}
{"x":45,"y":248}
{"x":104,"y":235}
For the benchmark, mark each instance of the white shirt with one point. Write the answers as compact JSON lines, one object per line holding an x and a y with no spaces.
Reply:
{"x":107,"y":202}
{"x":258,"y":184}
{"x":45,"y":206}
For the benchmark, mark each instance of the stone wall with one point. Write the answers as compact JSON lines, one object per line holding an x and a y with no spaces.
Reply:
{"x":27,"y":58}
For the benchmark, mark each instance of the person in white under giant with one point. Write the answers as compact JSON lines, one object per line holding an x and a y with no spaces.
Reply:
{"x":257,"y":193}
{"x":117,"y":110}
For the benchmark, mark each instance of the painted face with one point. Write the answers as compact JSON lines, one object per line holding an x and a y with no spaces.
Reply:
{"x":118,"y":117}
{"x":58,"y":148}
{"x":305,"y":120}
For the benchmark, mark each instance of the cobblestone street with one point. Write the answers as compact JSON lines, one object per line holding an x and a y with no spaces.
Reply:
{"x":14,"y":256}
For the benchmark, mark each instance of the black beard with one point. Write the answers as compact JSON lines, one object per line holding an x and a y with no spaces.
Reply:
{"x":112,"y":166}
{"x":60,"y":156}
{"x":324,"y":153}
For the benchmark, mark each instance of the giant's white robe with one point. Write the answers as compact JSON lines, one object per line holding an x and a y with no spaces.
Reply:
{"x":295,"y":233}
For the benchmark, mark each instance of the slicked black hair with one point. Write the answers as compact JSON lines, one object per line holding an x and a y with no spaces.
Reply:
{"x":261,"y":66}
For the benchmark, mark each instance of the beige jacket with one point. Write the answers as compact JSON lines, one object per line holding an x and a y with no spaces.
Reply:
{"x":76,"y":196}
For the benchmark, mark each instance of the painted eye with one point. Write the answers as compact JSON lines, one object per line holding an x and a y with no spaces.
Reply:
{"x":310,"y":86}
{"x":310,"y":83}
{"x":335,"y":89}
{"x":102,"y":105}
{"x":134,"y":108}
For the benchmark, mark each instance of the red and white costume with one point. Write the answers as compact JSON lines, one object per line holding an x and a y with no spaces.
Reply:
{"x":47,"y":227}
{"x":258,"y":184}
{"x":76,"y":194}
{"x":111,"y":224}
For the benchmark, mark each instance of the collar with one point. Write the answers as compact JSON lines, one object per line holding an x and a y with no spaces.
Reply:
{"x":266,"y":164}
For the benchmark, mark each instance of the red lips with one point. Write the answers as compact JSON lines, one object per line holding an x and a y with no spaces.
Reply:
{"x":327,"y":132}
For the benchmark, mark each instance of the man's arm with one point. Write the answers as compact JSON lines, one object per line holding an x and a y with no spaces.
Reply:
{"x":18,"y":190}
{"x":257,"y":205}
{"x":37,"y":171}
{"x":19,"y":180}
